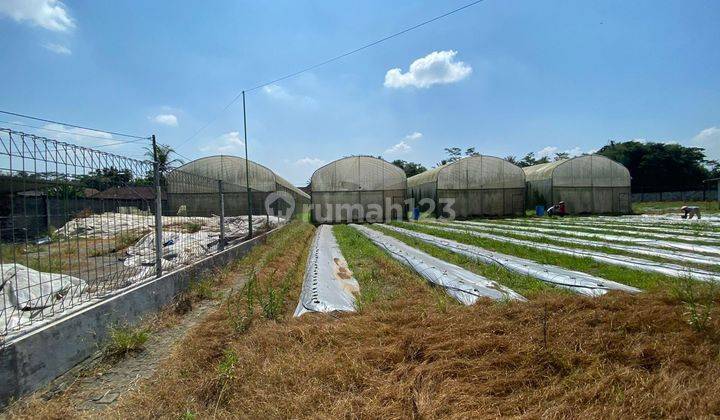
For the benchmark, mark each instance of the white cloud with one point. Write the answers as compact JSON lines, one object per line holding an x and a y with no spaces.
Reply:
{"x":166,"y":119}
{"x":438,"y":67}
{"x":546,"y":151}
{"x":404,"y":146}
{"x":279,"y":93}
{"x":81,"y":136}
{"x":550,"y":151}
{"x":414,"y":136}
{"x":57,"y":49}
{"x":48,"y":14}
{"x":226,"y":143}
{"x":709,"y":139}
{"x":311,"y":162}
{"x":399,"y":149}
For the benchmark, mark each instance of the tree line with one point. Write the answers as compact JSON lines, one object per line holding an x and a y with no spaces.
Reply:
{"x":653,"y":166}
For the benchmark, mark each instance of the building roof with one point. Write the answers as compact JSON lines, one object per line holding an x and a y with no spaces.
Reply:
{"x":201,"y":173}
{"x":479,"y":171}
{"x":580,"y":170}
{"x":358,"y":173}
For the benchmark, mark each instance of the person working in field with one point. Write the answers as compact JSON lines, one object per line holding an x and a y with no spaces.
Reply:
{"x":690,"y":211}
{"x":557,"y":210}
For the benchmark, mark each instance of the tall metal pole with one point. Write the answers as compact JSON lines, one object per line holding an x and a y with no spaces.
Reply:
{"x":221,"y":244}
{"x":247,"y":172}
{"x":158,"y":212}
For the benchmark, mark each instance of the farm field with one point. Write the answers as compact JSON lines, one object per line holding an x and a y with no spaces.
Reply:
{"x":411,"y":350}
{"x":662,"y":207}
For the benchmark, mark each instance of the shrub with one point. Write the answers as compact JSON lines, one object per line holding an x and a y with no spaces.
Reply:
{"x":125,"y":340}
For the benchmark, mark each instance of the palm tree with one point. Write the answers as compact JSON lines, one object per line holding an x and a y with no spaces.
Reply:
{"x":164,"y":161}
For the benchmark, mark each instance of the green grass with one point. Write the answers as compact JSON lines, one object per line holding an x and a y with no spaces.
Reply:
{"x":567,"y":242}
{"x":636,"y":278}
{"x":191,"y":227}
{"x":122,"y":242}
{"x":365,"y":260}
{"x":30,"y":257}
{"x":204,"y":289}
{"x":598,"y":230}
{"x":125,"y":340}
{"x":656,"y":207}
{"x":525,"y":285}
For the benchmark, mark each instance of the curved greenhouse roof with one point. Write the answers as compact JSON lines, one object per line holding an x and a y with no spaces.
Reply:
{"x":588,"y":170}
{"x":358,"y":173}
{"x":231,"y":170}
{"x":473,"y":172}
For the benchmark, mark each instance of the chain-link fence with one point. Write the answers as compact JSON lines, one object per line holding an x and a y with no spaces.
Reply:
{"x":79,"y":224}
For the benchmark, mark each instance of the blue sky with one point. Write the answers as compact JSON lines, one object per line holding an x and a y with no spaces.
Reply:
{"x":506,"y":77}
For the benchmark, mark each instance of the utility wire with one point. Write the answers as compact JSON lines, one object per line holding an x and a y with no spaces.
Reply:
{"x":74,"y":134}
{"x":328,"y":61}
{"x":72,"y":125}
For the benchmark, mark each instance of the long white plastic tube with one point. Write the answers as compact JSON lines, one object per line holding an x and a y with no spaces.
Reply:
{"x":667,"y":269}
{"x":652,"y":243}
{"x":661,"y":233}
{"x":328,"y":285}
{"x":463,"y":285}
{"x":574,"y":280}
{"x":680,"y":256}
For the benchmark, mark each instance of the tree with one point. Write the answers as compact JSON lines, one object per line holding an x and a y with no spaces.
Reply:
{"x":471,"y":152}
{"x":104,"y":178}
{"x":658,"y":167}
{"x":561,"y":156}
{"x":164,"y":158}
{"x":512,"y":159}
{"x":455,"y":154}
{"x":530,"y":160}
{"x":410,"y":168}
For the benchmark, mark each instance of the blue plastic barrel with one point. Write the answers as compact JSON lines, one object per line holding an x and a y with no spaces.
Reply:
{"x":539,"y":210}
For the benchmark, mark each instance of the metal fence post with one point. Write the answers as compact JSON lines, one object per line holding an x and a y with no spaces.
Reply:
{"x":221,"y":245}
{"x":247,"y":172}
{"x":158,"y":211}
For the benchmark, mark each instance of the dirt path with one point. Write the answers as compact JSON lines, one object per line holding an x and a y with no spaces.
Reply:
{"x":94,"y":385}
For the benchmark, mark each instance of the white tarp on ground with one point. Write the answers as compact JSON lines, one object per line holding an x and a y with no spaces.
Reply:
{"x":686,"y":236}
{"x":685,"y":257}
{"x":669,"y":219}
{"x":699,"y":231}
{"x":463,"y":285}
{"x":667,"y":269}
{"x":108,"y":225}
{"x":26,"y":291}
{"x":329,"y":285}
{"x":181,"y":248}
{"x":651,"y":243}
{"x":574,"y":280}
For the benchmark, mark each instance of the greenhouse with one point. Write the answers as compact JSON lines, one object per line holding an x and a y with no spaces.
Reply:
{"x":357,"y":189}
{"x":587,"y":184}
{"x":472,"y":186}
{"x":194,"y":188}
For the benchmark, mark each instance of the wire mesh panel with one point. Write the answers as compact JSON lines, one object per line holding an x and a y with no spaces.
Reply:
{"x":78,"y":224}
{"x":68,"y":215}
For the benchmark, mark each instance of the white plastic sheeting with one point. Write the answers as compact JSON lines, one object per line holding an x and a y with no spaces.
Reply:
{"x":574,"y":280}
{"x":26,"y":291}
{"x":668,"y":269}
{"x":652,"y":243}
{"x":328,"y":285}
{"x":631,"y":225}
{"x":668,"y":219}
{"x":586,"y":226}
{"x":180,"y":248}
{"x":463,"y":285}
{"x":681,"y":256}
